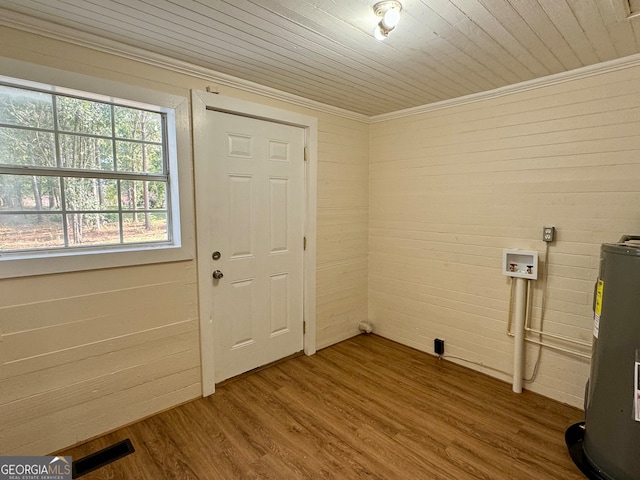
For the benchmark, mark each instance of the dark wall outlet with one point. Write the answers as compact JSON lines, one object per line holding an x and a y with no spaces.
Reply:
{"x":438,"y":346}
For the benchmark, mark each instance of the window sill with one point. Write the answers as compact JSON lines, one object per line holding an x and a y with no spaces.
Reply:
{"x":50,"y":262}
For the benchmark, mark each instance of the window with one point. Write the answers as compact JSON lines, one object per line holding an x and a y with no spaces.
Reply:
{"x":76,"y":172}
{"x":90,"y":180}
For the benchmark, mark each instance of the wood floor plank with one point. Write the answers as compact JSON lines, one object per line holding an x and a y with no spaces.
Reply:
{"x":366,"y":408}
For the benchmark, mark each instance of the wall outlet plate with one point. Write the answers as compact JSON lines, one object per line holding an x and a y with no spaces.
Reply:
{"x":548,"y":234}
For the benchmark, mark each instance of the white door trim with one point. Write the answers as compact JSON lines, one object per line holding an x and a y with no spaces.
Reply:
{"x":200,"y":103}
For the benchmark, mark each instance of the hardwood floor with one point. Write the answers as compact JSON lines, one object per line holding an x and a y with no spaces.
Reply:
{"x":365,"y":408}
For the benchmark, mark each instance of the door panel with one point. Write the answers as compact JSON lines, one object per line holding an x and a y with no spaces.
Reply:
{"x":279,"y":302}
{"x":256,"y":202}
{"x":240,"y":205}
{"x":242,"y":328}
{"x":278,"y":215}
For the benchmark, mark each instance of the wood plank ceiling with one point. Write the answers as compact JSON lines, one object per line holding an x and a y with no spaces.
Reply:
{"x":324,"y":50}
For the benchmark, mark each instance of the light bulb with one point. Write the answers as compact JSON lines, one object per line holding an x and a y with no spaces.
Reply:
{"x":391,"y":18}
{"x":379,"y":33}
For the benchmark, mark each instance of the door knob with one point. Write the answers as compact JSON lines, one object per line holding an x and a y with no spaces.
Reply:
{"x":217,"y":274}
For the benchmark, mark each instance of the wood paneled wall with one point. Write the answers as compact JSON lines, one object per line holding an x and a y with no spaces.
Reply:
{"x":343,"y":176}
{"x":451,"y":188}
{"x":84,"y":353}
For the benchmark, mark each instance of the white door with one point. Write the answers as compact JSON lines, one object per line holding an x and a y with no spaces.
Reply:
{"x":256,"y":202}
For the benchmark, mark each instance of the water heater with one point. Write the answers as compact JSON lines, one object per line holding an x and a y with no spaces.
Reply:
{"x":607,"y":445}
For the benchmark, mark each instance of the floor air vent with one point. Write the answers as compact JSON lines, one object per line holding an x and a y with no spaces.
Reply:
{"x":101,"y":458}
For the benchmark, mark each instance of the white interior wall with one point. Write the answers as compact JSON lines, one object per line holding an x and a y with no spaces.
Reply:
{"x":450,"y":188}
{"x":84,"y":353}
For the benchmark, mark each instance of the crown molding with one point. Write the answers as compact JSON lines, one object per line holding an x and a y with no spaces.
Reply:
{"x":536,"y":83}
{"x":54,"y":31}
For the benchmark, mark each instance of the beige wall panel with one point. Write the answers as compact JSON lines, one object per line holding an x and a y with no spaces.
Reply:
{"x":100,"y":414}
{"x":93,"y":366}
{"x":342,"y":253}
{"x":334,"y":327}
{"x":334,"y":278}
{"x":89,"y":319}
{"x":72,"y":356}
{"x":449,"y":189}
{"x":77,"y":395}
{"x":336,"y":193}
{"x":93,"y":328}
{"x":343,"y":182}
{"x":26,"y":290}
{"x":334,"y":170}
{"x":144,"y":403}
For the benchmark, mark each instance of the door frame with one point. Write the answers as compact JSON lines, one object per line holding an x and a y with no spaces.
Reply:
{"x":200,"y":103}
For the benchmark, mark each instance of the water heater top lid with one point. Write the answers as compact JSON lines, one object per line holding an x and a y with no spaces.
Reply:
{"x":628,"y":244}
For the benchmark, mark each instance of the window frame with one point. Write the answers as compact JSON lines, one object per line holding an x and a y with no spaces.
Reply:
{"x":180,"y":244}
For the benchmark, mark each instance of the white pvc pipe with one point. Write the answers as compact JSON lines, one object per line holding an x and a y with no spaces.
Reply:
{"x":559,"y":337}
{"x":518,"y":344}
{"x":554,"y":347}
{"x":560,"y":349}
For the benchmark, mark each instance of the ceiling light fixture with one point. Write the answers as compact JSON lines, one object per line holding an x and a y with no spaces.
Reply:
{"x":389,"y":11}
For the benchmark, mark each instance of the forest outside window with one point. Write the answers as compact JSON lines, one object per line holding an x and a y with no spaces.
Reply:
{"x":80,"y":173}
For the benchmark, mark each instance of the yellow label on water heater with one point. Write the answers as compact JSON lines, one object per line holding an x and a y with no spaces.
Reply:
{"x":599,"y":291}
